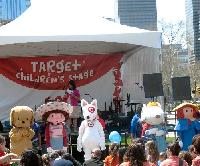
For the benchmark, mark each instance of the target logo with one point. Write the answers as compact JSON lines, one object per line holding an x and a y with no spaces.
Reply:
{"x":91,"y":109}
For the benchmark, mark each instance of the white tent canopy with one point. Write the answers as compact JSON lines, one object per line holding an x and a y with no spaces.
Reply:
{"x":67,"y":26}
{"x":70,"y":27}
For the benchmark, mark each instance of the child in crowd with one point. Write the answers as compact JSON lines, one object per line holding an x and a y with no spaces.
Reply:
{"x":152,"y":153}
{"x":30,"y":158}
{"x":162,"y":157}
{"x":69,"y":157}
{"x":53,"y":156}
{"x":196,"y":143}
{"x":5,"y":159}
{"x":122,"y":157}
{"x":113,"y":158}
{"x":186,"y":156}
{"x":191,"y":150}
{"x":46,"y":160}
{"x":173,"y":150}
{"x":135,"y":156}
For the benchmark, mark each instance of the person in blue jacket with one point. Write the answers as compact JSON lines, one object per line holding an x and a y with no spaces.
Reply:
{"x":187,"y":125}
{"x":136,"y":126}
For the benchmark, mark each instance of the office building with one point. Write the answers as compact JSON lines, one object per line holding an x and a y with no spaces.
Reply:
{"x":11,"y":9}
{"x":138,"y":13}
{"x":193,"y":29}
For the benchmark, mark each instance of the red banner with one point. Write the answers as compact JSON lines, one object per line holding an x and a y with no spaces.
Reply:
{"x":52,"y":72}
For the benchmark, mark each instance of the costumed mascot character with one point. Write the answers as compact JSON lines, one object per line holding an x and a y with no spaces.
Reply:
{"x":55,"y":114}
{"x":21,"y":118}
{"x":187,"y":126}
{"x":152,"y":117}
{"x":91,"y":134}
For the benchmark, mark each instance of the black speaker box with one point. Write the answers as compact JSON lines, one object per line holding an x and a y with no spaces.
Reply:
{"x":181,"y":88}
{"x":152,"y":85}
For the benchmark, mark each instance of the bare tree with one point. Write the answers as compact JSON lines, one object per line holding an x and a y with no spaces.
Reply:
{"x":173,"y":33}
{"x":173,"y":42}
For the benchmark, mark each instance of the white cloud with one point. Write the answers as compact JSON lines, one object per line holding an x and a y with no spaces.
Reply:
{"x":94,"y":7}
{"x":171,"y":10}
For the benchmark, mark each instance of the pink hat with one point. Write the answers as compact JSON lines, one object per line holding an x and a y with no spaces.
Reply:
{"x":52,"y":106}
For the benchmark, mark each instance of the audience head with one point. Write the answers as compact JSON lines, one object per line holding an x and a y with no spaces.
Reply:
{"x":191,"y":149}
{"x":61,"y":152}
{"x":69,"y":157}
{"x":29,"y":158}
{"x":62,"y":162}
{"x":152,"y":150}
{"x":96,"y":153}
{"x":135,"y":155}
{"x":46,"y":160}
{"x":122,"y":151}
{"x":173,"y":149}
{"x":113,"y":149}
{"x":2,"y":143}
{"x":139,"y":141}
{"x":162,"y":156}
{"x":186,"y":156}
{"x":196,"y":143}
{"x":54,"y":155}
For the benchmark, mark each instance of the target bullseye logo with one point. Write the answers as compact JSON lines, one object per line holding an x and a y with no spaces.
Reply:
{"x":91,"y":109}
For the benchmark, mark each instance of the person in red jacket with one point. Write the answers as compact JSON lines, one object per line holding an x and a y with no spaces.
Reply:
{"x":5,"y":158}
{"x":103,"y":124}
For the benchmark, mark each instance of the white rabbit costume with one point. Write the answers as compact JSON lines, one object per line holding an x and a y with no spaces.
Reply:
{"x":91,"y":134}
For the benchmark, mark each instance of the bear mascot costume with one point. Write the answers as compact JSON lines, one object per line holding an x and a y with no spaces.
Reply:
{"x":91,"y":134}
{"x":187,"y":126}
{"x":55,"y":115}
{"x":21,"y":119}
{"x":152,"y":117}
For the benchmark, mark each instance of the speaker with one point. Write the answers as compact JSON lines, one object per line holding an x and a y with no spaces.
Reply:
{"x":152,"y":85}
{"x":181,"y":88}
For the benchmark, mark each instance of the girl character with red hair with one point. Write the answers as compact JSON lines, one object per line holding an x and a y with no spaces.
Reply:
{"x":187,"y":126}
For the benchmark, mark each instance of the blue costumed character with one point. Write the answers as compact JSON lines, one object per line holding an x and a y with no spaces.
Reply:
{"x":187,"y":126}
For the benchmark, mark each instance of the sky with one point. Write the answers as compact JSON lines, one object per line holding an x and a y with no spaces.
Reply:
{"x":169,"y":10}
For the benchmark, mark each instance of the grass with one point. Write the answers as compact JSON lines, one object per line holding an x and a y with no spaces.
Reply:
{"x":170,"y":139}
{"x":123,"y":142}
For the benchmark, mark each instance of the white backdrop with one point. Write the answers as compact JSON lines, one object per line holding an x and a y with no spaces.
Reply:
{"x":13,"y":94}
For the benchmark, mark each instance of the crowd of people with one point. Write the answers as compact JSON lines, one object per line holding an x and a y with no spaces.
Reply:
{"x":150,"y":151}
{"x":138,"y":153}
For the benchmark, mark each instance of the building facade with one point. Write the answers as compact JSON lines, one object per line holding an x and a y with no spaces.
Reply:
{"x":193,"y":29}
{"x":11,"y":9}
{"x":138,"y":13}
